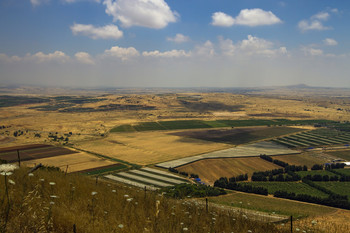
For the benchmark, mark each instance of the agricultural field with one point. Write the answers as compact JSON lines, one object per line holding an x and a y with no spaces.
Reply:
{"x":147,"y":177}
{"x":308,"y":158}
{"x":272,"y":205}
{"x":315,"y":138}
{"x":32,"y":151}
{"x":342,"y":188}
{"x":210,"y":170}
{"x":297,"y":188}
{"x":238,"y":136}
{"x":342,"y":154}
{"x":71,"y":162}
{"x":145,"y":148}
{"x":316,"y":172}
{"x":345,"y":171}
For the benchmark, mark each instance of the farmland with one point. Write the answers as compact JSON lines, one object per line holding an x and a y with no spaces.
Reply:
{"x":305,"y":158}
{"x":297,"y":188}
{"x":342,"y":188}
{"x":318,"y":138}
{"x":210,"y":170}
{"x":342,"y":154}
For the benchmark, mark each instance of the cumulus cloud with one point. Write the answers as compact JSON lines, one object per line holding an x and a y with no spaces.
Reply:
{"x":221,"y":19}
{"x":57,"y":56}
{"x":168,"y":54}
{"x":122,"y":53}
{"x":249,"y":47}
{"x":205,"y":50}
{"x":84,"y":58}
{"x":106,"y":32}
{"x":330,"y":42}
{"x":145,"y":13}
{"x":179,"y":38}
{"x":315,"y":22}
{"x":246,"y":17}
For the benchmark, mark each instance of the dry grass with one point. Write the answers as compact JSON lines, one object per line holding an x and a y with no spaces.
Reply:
{"x":305,"y":158}
{"x":36,"y":204}
{"x":210,"y":170}
{"x":76,"y":162}
{"x":149,"y":147}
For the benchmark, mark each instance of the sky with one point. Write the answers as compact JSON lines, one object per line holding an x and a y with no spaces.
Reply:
{"x":175,"y":43}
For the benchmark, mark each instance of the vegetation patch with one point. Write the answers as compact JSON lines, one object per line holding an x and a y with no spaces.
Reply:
{"x":9,"y":101}
{"x":181,"y":191}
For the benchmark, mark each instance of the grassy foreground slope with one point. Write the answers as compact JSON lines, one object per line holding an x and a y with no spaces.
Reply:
{"x":49,"y":201}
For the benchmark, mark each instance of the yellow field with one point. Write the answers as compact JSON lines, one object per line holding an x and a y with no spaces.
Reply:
{"x":210,"y":170}
{"x":149,"y":147}
{"x":76,"y":162}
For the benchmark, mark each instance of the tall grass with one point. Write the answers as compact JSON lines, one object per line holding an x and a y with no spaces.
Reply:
{"x":49,"y":201}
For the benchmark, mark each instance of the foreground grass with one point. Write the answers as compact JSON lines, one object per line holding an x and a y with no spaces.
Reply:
{"x":49,"y":201}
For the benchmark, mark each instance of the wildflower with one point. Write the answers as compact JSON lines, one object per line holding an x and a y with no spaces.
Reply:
{"x":114,"y":191}
{"x":282,"y":224}
{"x":30,"y":174}
{"x":52,"y":183}
{"x":12,"y":182}
{"x":249,"y":231}
{"x":313,"y":222}
{"x":53,"y":196}
{"x":42,"y":180}
{"x":126,"y":195}
{"x":7,"y":169}
{"x":93,"y":193}
{"x":297,"y":229}
{"x":181,"y":223}
{"x":129,"y":199}
{"x":52,"y":203}
{"x":214,"y":219}
{"x":120,"y":226}
{"x":185,"y":229}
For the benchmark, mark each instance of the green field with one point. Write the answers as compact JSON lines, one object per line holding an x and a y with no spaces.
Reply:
{"x":271,"y":204}
{"x":315,"y":172}
{"x":297,"y":188}
{"x":198,"y":124}
{"x":342,"y":188}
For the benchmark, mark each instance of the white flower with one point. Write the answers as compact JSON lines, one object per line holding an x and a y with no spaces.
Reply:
{"x":93,"y":193}
{"x":7,"y":168}
{"x":129,"y":199}
{"x":52,"y":183}
{"x":120,"y":225}
{"x":185,"y":229}
{"x":52,"y":203}
{"x":297,"y":229}
{"x":30,"y":174}
{"x":42,"y":180}
{"x":126,"y":195}
{"x":53,"y":196}
{"x":249,"y":231}
{"x":12,"y":182}
{"x":114,"y":191}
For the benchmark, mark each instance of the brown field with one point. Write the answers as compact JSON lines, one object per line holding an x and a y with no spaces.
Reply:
{"x":33,"y":151}
{"x":210,"y":170}
{"x":237,"y":136}
{"x":343,"y":154}
{"x":305,"y":158}
{"x":76,"y":162}
{"x":149,"y":147}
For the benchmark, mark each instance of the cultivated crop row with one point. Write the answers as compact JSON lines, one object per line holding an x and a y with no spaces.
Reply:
{"x":147,"y":177}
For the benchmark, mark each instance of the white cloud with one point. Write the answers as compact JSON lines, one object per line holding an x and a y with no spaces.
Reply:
{"x":316,"y":22}
{"x":106,"y":32}
{"x":4,"y":57}
{"x":205,"y":50}
{"x":122,"y":53}
{"x":84,"y":58}
{"x":312,"y":52}
{"x":246,"y":17}
{"x":74,"y":1}
{"x":145,"y":13}
{"x":57,"y":56}
{"x":324,"y":16}
{"x":250,"y":46}
{"x":179,"y":38}
{"x":221,"y":19}
{"x":168,"y":54}
{"x":330,"y":42}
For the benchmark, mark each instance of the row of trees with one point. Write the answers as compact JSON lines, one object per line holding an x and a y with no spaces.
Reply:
{"x":286,"y":166}
{"x":192,"y":190}
{"x":174,"y":170}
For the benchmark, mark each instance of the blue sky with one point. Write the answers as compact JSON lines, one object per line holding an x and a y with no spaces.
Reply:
{"x":175,"y":43}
